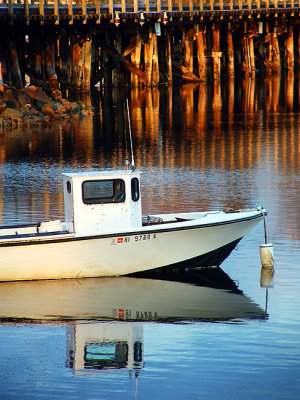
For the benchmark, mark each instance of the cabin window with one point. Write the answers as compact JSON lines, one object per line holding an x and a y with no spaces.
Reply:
{"x":104,"y":191}
{"x":68,"y":186}
{"x":135,"y":189}
{"x":106,"y":355}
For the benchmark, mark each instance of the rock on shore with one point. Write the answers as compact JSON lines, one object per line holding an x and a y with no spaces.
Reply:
{"x":32,"y":106}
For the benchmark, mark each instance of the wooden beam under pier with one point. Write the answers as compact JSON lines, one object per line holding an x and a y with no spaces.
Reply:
{"x":119,"y":58}
{"x":184,"y":73}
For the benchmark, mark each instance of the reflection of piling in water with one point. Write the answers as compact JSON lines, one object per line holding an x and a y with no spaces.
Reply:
{"x":256,"y":132}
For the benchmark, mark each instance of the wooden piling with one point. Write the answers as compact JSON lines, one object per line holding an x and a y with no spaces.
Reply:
{"x":26,"y":11}
{"x":168,"y":55}
{"x":297,"y":49}
{"x":64,"y":60}
{"x":216,"y":55}
{"x":10,"y":12}
{"x":289,"y":49}
{"x":85,"y":63}
{"x":116,"y":71}
{"x":230,"y":54}
{"x":13,"y":64}
{"x":269,"y":54}
{"x":106,"y":63}
{"x":248,"y":58}
{"x":41,"y":11}
{"x":252,"y":57}
{"x":155,"y":66}
{"x":276,"y":52}
{"x":74,"y":65}
{"x":83,"y":10}
{"x":56,"y":12}
{"x":200,"y":54}
{"x":148,"y":56}
{"x":246,"y":65}
{"x":187,"y":42}
{"x":261,"y":55}
{"x":70,"y":12}
{"x":96,"y":72}
{"x":49,"y":62}
{"x":49,"y":57}
{"x":36,"y":41}
{"x":136,"y":56}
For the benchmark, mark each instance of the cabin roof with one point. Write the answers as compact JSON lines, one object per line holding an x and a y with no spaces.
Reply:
{"x":94,"y":174}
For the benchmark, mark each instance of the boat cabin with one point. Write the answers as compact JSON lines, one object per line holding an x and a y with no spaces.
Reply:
{"x":98,"y":202}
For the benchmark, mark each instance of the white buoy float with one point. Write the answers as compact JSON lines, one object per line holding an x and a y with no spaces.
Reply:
{"x":266,"y":255}
{"x":266,"y":250}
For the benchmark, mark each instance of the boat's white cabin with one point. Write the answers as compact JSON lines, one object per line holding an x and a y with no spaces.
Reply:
{"x":97,"y":202}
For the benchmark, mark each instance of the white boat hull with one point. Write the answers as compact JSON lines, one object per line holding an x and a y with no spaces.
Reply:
{"x":183,"y":244}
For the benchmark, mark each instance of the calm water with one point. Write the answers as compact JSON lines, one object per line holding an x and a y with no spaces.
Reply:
{"x":214,"y":335}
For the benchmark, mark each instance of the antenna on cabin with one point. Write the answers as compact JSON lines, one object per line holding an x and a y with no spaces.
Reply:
{"x":131,"y":166}
{"x":125,"y":133}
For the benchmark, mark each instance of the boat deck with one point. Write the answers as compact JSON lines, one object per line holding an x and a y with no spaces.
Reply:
{"x":52,"y":230}
{"x":33,"y":231}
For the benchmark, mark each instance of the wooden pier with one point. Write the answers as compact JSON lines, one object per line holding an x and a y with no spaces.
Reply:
{"x":76,"y":45}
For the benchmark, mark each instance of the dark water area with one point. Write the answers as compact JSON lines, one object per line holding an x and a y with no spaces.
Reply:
{"x":231,"y":332}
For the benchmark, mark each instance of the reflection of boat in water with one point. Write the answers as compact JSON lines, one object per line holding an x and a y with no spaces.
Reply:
{"x":103,"y":315}
{"x":101,"y":346}
{"x":129,"y":298}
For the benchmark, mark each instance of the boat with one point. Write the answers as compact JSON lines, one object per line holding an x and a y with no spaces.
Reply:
{"x":104,"y":233}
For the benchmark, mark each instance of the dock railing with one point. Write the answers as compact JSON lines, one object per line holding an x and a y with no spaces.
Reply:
{"x":90,"y":9}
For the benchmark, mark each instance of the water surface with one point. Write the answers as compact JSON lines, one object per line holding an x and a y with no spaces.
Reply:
{"x":220,"y":334}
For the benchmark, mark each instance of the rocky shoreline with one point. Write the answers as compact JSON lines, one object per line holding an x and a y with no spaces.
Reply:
{"x":32,"y":106}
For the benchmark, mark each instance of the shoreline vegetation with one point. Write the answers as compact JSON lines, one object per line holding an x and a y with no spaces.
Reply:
{"x":32,"y":106}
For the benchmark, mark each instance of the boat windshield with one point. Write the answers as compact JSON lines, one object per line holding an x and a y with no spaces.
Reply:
{"x":103,"y":191}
